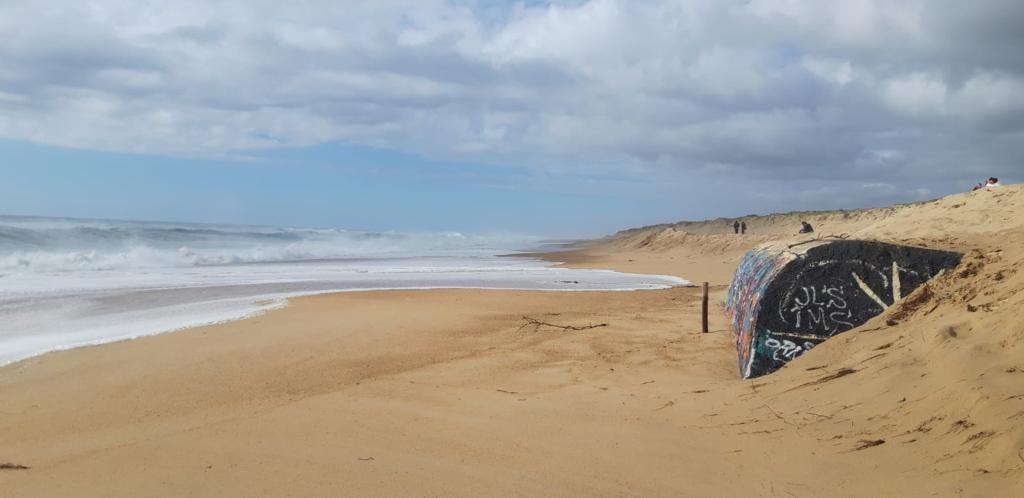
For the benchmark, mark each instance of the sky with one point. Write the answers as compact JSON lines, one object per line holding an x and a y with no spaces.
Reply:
{"x":563,"y":118}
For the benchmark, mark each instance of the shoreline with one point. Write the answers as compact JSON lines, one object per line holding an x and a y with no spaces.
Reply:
{"x":458,"y":392}
{"x":286,"y":301}
{"x":258,"y":305}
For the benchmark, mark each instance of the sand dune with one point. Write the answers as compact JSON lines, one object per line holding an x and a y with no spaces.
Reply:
{"x":431,"y":393}
{"x":938,"y":377}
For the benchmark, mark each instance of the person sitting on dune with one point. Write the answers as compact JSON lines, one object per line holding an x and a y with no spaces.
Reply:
{"x":993,"y":182}
{"x":807,"y":228}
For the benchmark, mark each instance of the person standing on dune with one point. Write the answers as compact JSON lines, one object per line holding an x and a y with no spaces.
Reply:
{"x":736,"y":227}
{"x":743,"y":227}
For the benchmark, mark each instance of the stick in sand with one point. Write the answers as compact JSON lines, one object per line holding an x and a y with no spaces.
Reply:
{"x":704,"y":310}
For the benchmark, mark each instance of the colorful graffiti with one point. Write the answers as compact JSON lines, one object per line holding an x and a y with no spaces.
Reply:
{"x":755,"y":272}
{"x":785,"y":301}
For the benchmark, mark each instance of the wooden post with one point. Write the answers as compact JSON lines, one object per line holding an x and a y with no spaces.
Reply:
{"x":704,"y":311}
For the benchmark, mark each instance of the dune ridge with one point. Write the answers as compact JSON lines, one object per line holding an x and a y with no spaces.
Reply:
{"x":938,"y":376}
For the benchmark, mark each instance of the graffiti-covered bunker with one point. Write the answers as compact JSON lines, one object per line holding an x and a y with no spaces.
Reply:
{"x":784,"y":300}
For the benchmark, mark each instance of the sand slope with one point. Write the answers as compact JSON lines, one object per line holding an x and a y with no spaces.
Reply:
{"x":431,"y":393}
{"x":939,"y":378}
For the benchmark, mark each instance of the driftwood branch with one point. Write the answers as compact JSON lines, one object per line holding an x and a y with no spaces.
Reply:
{"x":537,"y":324}
{"x":864,"y":444}
{"x":779,"y":416}
{"x":13,"y":466}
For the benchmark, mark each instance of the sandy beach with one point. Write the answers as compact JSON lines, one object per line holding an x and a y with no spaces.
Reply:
{"x":467,"y":393}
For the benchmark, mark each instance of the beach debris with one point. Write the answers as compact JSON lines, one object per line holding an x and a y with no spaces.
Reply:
{"x":13,"y":466}
{"x":926,"y":426}
{"x":960,"y":426}
{"x":842,"y":372}
{"x":367,"y":459}
{"x":779,"y":415}
{"x":864,"y":444}
{"x":537,"y":324}
{"x":977,"y":437}
{"x":507,"y":392}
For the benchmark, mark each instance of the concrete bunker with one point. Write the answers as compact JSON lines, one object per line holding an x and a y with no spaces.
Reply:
{"x":786,"y":299}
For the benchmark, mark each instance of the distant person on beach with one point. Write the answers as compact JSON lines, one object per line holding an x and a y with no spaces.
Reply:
{"x":743,"y":227}
{"x":807,"y":228}
{"x":736,"y":227}
{"x":992,"y":182}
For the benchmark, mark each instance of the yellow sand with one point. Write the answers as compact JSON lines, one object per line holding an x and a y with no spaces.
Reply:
{"x":442,"y":393}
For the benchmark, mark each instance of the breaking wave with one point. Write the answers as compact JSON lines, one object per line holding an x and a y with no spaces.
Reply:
{"x":53,"y":245}
{"x":66,"y":283}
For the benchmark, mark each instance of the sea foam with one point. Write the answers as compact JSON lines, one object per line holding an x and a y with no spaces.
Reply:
{"x":67,"y":283}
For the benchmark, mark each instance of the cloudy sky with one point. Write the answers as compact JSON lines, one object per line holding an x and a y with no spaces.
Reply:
{"x":573,"y":117}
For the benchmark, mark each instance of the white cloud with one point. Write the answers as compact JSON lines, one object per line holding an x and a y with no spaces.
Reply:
{"x":990,"y":96}
{"x":834,"y":71}
{"x":879,"y":186}
{"x":916,"y":94}
{"x":821,"y":88}
{"x":985,"y":97}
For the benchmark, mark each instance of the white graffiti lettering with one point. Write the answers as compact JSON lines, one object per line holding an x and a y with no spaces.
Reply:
{"x":819,"y":309}
{"x":785,"y":350}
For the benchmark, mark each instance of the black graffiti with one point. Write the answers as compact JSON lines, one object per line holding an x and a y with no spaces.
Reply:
{"x":829,"y":289}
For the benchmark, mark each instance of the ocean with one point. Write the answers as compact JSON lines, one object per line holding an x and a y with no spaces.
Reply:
{"x":67,"y":283}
